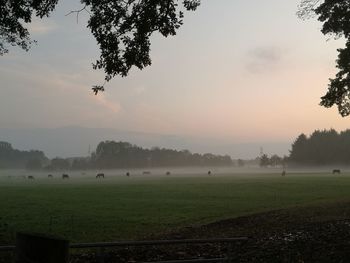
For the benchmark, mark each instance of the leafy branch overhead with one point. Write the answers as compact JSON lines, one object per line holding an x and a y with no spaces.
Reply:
{"x":122,"y":28}
{"x":13,"y":16}
{"x":335,"y":16}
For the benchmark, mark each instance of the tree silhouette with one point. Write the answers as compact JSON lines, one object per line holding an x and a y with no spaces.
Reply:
{"x":321,"y":148}
{"x":13,"y":158}
{"x":335,"y":16}
{"x":240,"y":163}
{"x":122,"y":28}
{"x":275,"y":160}
{"x":264,"y":160}
{"x":111,"y":154}
{"x":34,"y":164}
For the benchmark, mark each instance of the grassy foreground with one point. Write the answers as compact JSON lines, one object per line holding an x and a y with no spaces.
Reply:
{"x":86,"y":210}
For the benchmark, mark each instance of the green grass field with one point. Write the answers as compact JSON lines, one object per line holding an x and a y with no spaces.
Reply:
{"x":87,"y":210}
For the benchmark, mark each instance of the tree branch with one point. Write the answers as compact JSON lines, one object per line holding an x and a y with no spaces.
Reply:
{"x":78,"y":12}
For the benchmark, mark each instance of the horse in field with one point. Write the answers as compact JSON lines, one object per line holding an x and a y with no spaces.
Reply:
{"x":168,"y":173}
{"x":146,"y":172}
{"x":30,"y":177}
{"x":100,"y":175}
{"x":127,"y":174}
{"x":65,"y":176}
{"x":49,"y":176}
{"x":336,"y":171}
{"x":283,"y":173}
{"x":209,"y":172}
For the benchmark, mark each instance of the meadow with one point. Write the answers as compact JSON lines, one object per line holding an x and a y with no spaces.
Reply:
{"x":86,"y":209}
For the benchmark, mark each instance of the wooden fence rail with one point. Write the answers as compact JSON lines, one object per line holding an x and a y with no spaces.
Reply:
{"x":102,"y":245}
{"x":210,"y":260}
{"x":144,"y":243}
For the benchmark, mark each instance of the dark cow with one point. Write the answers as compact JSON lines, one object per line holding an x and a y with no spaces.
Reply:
{"x":209,"y":172}
{"x":49,"y":176}
{"x":146,"y":172}
{"x":100,"y":175}
{"x":336,"y":171}
{"x":283,"y":173}
{"x":127,"y":174}
{"x":30,"y":177}
{"x":65,"y":176}
{"x":168,"y":173}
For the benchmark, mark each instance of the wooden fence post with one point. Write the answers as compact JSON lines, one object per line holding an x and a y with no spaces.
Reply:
{"x":38,"y":248}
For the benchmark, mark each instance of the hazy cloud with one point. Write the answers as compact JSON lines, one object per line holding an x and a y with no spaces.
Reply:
{"x":262,"y":59}
{"x":139,"y":90}
{"x":101,"y":99}
{"x":40,"y":27}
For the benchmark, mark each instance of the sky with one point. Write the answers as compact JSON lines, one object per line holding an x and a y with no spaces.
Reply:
{"x":237,"y":72}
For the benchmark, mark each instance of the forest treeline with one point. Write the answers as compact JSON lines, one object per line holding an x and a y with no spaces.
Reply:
{"x":273,"y":161}
{"x":322,"y":147}
{"x":109,"y":155}
{"x":13,"y":158}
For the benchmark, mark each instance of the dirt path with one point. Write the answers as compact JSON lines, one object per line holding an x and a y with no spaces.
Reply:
{"x":304,"y":234}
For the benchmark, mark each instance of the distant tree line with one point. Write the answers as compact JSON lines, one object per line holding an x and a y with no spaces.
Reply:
{"x":321,"y":148}
{"x":108,"y":155}
{"x":13,"y":158}
{"x":80,"y":163}
{"x":111,"y":154}
{"x":272,"y":161}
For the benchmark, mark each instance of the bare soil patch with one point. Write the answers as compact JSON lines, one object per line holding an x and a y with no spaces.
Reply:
{"x":302,"y":234}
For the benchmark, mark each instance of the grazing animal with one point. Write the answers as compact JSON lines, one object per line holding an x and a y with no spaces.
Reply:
{"x":100,"y":175}
{"x":146,"y":172}
{"x":167,"y":173}
{"x":49,"y":176}
{"x":31,"y":177}
{"x":127,"y":174}
{"x":336,"y":171}
{"x":65,"y":176}
{"x":209,"y":172}
{"x":283,"y":173}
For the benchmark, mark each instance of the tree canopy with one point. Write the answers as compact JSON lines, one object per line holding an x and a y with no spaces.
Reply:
{"x":111,"y":154}
{"x":324,"y":147}
{"x":335,"y":16}
{"x":13,"y":158}
{"x":122,"y":28}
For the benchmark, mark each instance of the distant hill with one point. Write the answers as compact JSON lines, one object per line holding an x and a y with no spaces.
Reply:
{"x":75,"y":141}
